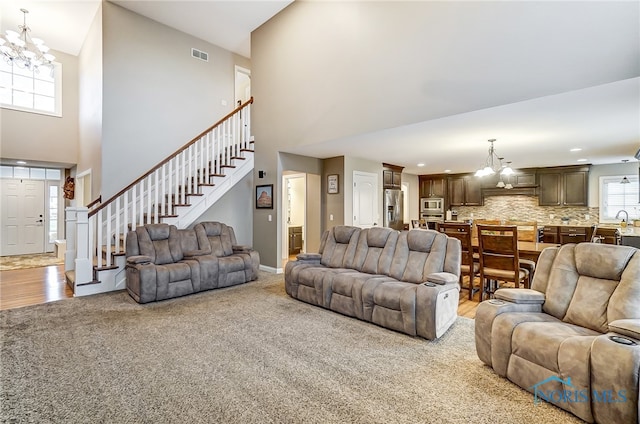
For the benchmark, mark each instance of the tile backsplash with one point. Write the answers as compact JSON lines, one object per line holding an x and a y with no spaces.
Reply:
{"x":526,"y":208}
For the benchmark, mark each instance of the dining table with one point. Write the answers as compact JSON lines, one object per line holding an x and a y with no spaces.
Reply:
{"x":526,"y":249}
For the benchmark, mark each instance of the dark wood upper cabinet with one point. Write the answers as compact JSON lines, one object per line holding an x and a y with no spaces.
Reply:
{"x":465,"y":190}
{"x":391,"y":176}
{"x":563,"y":186}
{"x":433,"y":186}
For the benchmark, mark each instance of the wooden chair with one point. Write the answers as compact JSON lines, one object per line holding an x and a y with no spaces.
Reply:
{"x":474,"y":232}
{"x":499,"y":259}
{"x":462,"y":231}
{"x":527,"y":230}
{"x":605,"y":235}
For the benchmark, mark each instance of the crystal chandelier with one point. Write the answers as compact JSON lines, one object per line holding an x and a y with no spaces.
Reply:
{"x":24,"y":51}
{"x":493,"y":164}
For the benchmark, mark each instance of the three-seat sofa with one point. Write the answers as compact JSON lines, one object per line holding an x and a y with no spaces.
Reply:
{"x":164,"y":262}
{"x":405,"y":281}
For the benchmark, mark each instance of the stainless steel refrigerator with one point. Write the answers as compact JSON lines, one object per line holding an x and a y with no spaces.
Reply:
{"x":393,"y":213}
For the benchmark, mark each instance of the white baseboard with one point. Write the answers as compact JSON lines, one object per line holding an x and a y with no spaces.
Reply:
{"x":271,"y":269}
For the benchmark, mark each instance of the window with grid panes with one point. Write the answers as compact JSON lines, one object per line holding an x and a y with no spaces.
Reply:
{"x":615,"y":196}
{"x":31,"y":91}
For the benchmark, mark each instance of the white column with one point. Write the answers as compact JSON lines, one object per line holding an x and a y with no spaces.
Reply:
{"x":70,"y":236}
{"x":84,"y":267}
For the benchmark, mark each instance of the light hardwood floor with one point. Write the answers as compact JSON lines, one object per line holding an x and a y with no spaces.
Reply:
{"x":33,"y":286}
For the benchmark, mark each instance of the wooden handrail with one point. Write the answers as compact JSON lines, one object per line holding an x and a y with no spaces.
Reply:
{"x":95,"y":202}
{"x":174,"y":154}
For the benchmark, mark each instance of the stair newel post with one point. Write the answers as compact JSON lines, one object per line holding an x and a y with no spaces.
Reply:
{"x":83,"y":265}
{"x":70,"y":236}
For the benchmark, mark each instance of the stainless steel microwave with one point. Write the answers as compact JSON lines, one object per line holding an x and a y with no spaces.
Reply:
{"x":432,"y":204}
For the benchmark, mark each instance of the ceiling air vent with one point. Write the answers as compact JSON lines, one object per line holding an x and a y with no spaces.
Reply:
{"x":198,"y":54}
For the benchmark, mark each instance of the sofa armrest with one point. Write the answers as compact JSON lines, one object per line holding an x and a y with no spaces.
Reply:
{"x":237,"y":248}
{"x":442,"y":278}
{"x":309,"y":257}
{"x":626,"y":327}
{"x":520,"y":296}
{"x":138,"y":259}
{"x":192,"y":253}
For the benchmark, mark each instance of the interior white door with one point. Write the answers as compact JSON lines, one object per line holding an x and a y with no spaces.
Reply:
{"x":365,"y":199}
{"x":22,"y":217}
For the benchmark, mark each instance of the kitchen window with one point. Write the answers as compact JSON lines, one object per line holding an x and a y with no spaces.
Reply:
{"x":31,"y":91}
{"x":615,"y":196}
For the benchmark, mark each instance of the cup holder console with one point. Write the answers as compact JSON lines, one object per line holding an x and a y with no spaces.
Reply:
{"x":622,"y":340}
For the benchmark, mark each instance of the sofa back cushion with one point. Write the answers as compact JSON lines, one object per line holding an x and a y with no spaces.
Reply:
{"x":375,"y":250}
{"x":188,"y":240}
{"x":160,"y":242}
{"x":418,"y":254}
{"x":340,"y":246}
{"x":215,"y":238}
{"x":582,"y":281}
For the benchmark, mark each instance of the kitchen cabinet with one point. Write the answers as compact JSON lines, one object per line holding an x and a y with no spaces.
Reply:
{"x":573,"y":234}
{"x":550,"y":234}
{"x":523,"y":178}
{"x":392,"y":176}
{"x":464,"y":190}
{"x":565,"y":234}
{"x":295,"y":240}
{"x":563,"y":186}
{"x":433,"y":186}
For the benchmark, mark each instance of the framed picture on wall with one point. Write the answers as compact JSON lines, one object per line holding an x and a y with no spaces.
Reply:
{"x":332,"y":184}
{"x":264,"y":196}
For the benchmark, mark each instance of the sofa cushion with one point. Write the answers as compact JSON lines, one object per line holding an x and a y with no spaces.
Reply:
{"x":160,"y":242}
{"x":418,"y":254}
{"x":340,"y":247}
{"x":563,"y":279}
{"x":540,"y":342}
{"x":606,"y":262}
{"x":214,"y":236}
{"x":588,"y":307}
{"x":375,"y":249}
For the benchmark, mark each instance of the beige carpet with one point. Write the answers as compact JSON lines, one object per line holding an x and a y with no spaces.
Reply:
{"x":8,"y":263}
{"x":245,"y":354}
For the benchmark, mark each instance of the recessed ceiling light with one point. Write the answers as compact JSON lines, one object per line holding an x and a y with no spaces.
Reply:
{"x":421,"y":164}
{"x":21,"y":162}
{"x":575,"y":149}
{"x":447,"y":171}
{"x":581,"y":160}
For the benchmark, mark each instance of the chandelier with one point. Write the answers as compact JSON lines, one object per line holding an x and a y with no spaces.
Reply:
{"x":24,"y":51}
{"x":493,"y":164}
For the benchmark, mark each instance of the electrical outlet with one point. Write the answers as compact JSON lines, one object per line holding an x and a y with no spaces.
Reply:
{"x":551,"y":216}
{"x":586,"y":216}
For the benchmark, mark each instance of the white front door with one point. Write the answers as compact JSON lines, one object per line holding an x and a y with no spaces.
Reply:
{"x":22,"y":218}
{"x":365,"y":199}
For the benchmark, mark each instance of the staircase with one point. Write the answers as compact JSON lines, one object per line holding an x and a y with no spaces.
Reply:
{"x":176,"y":191}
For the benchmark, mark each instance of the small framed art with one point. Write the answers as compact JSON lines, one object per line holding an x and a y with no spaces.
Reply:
{"x":264,"y":196}
{"x":332,"y":184}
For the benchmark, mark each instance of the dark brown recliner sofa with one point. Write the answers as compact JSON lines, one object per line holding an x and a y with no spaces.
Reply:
{"x":164,"y":262}
{"x":406,"y":281}
{"x":573,"y":339}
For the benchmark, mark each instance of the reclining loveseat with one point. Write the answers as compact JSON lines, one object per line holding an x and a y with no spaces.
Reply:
{"x":405,"y":281}
{"x":164,"y":262}
{"x":573,"y":339}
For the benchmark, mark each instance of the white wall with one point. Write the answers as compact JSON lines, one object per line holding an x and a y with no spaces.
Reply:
{"x":235,"y":209}
{"x":597,"y":171}
{"x":90,"y":110}
{"x":36,"y":137}
{"x":156,"y":97}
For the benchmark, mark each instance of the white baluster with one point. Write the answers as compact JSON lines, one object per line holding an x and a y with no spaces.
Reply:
{"x":98,"y":242}
{"x":163,"y":198}
{"x":108,"y":236}
{"x":117,"y":231}
{"x":125,"y":215}
{"x":156,"y":190}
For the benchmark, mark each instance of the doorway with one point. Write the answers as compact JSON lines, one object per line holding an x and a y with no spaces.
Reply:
{"x":23,"y":217}
{"x":242,"y":84}
{"x":294,"y":214}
